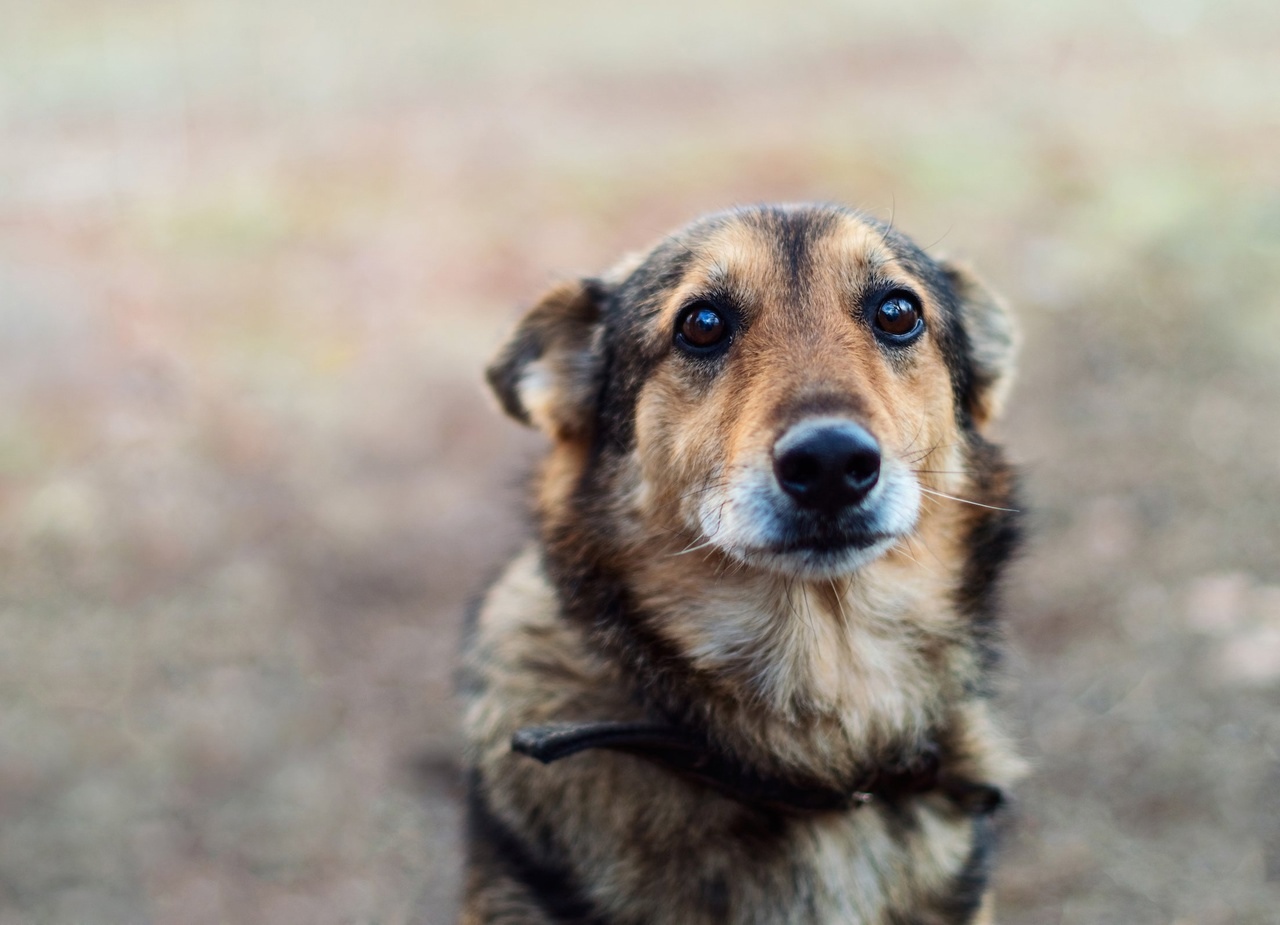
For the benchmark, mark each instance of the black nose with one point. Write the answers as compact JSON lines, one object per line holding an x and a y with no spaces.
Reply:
{"x":826,"y":465}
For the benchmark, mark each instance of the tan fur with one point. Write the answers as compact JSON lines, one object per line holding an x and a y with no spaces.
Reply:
{"x":809,"y":674}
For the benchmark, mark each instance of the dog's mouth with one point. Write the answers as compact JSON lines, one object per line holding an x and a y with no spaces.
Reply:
{"x":828,"y":540}
{"x":819,"y":552}
{"x":814,"y":560}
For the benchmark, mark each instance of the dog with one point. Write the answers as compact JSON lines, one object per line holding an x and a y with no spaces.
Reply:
{"x":744,"y":674}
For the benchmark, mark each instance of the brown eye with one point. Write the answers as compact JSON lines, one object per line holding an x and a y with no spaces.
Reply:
{"x":899,"y":316}
{"x":701,"y":327}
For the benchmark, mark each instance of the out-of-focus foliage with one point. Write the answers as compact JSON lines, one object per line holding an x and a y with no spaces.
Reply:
{"x":253,"y":257}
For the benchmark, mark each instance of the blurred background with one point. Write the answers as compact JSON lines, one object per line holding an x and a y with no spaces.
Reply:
{"x":253,"y":256}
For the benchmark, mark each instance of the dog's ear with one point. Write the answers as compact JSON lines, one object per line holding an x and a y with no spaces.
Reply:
{"x":547,"y":374}
{"x":993,"y":340}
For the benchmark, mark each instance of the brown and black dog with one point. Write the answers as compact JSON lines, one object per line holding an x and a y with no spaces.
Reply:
{"x":743,"y":675}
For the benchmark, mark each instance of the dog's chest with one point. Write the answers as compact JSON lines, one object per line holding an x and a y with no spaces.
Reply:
{"x":866,"y":663}
{"x":848,"y":861}
{"x":861,"y":868}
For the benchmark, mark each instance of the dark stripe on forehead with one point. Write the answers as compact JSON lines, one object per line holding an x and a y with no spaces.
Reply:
{"x":794,"y":232}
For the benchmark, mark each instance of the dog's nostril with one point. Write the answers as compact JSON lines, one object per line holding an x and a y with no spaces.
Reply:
{"x":799,"y":468}
{"x":863,"y":465}
{"x":827,"y":465}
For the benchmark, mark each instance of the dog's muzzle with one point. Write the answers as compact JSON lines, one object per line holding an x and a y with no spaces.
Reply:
{"x":827,"y":465}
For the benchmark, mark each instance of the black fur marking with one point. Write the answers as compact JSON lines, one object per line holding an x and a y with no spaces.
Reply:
{"x":963,"y":899}
{"x":550,"y":884}
{"x":627,"y":312}
{"x":715,"y":895}
{"x":994,"y":539}
{"x":598,"y":601}
{"x":795,"y":233}
{"x":962,"y":903}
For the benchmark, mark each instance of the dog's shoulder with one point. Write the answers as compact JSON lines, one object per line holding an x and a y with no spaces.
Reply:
{"x":523,"y":663}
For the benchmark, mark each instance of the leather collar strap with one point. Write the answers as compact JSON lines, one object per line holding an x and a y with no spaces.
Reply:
{"x":689,"y":756}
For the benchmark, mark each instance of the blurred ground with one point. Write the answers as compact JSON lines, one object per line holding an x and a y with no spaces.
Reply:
{"x":252,"y":259}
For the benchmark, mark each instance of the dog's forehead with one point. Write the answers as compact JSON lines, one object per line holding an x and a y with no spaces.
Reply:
{"x":760,"y":253}
{"x":786,"y":247}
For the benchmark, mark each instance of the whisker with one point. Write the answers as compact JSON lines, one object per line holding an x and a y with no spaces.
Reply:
{"x":672,"y":239}
{"x":989,"y":507}
{"x":689,"y":549}
{"x":844,"y":619}
{"x":786,"y":597}
{"x":937,"y":446}
{"x":791,"y":603}
{"x":904,"y":546}
{"x":939,"y":241}
{"x":720,"y":479}
{"x":915,"y":437}
{"x":893,"y":212}
{"x":702,"y":491}
{"x":809,"y":614}
{"x":920,"y":456}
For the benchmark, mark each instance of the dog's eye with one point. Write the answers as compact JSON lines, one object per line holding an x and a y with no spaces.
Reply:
{"x":701,"y":327}
{"x":899,"y":317}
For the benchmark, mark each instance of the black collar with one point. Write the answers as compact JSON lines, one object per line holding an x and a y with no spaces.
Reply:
{"x":692,"y":757}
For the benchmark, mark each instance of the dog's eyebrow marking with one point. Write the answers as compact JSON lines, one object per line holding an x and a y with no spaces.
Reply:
{"x":726,"y":281}
{"x":719,"y":272}
{"x":870,"y":265}
{"x":869,"y":254}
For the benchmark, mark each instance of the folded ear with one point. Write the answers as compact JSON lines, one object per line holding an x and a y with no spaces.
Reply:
{"x":547,"y":375}
{"x":993,"y":341}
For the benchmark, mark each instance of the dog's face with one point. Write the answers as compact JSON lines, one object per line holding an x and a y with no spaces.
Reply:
{"x":784,"y":386}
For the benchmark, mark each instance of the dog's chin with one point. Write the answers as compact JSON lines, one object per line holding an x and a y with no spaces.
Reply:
{"x":817,"y":557}
{"x":756,"y":526}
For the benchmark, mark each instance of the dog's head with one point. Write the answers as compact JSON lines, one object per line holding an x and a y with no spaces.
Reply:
{"x":782,"y":385}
